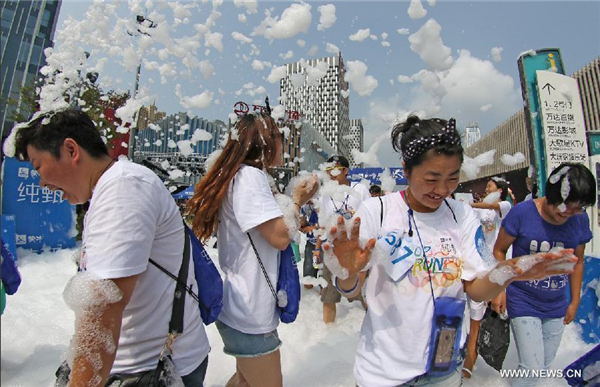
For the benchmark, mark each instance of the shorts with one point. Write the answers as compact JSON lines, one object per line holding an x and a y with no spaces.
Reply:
{"x":240,"y":344}
{"x":330,"y":294}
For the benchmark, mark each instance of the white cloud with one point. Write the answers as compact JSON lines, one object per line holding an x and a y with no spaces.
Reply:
{"x":251,"y":5}
{"x":385,"y":44}
{"x":403,"y":31}
{"x":384,"y":35}
{"x":356,"y":75}
{"x":485,"y":108}
{"x":405,"y":79}
{"x":199,"y":101}
{"x":471,"y":83}
{"x":512,"y":160}
{"x":242,"y":18}
{"x":201,"y":135}
{"x":301,"y":43}
{"x":416,"y":10}
{"x":327,"y":18}
{"x":294,"y":20}
{"x":497,"y":53}
{"x":297,"y":79}
{"x":276,"y":74}
{"x":207,"y":69}
{"x":313,"y":50}
{"x":259,"y":65}
{"x":287,"y":55}
{"x":360,"y":35}
{"x":214,"y":40}
{"x":428,"y":44}
{"x":332,"y":48}
{"x":241,"y":37}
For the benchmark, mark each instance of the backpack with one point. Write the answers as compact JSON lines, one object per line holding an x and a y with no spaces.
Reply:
{"x":210,"y":284}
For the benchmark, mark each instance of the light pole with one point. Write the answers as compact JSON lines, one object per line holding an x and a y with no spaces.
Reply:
{"x":132,"y":131}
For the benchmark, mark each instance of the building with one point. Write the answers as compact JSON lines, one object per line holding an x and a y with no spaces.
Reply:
{"x":471,"y":134}
{"x":353,"y":140}
{"x":27,"y":30}
{"x":157,"y":146}
{"x":588,"y":79}
{"x":149,"y":115}
{"x":322,"y":102}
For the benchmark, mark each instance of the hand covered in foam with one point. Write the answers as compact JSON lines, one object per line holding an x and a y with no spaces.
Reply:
{"x":305,"y":188}
{"x":534,"y":267}
{"x":344,"y":255}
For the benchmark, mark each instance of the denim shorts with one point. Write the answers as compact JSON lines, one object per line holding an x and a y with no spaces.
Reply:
{"x":240,"y":344}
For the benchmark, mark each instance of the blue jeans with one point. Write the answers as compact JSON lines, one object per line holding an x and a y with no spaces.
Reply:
{"x":453,"y":379}
{"x":240,"y":344}
{"x":537,"y":341}
{"x":196,"y":377}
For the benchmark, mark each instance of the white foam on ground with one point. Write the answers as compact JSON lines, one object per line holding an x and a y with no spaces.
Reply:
{"x":37,"y":327}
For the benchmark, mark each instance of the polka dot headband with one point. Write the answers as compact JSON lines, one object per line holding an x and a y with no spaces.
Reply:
{"x":421,"y":145}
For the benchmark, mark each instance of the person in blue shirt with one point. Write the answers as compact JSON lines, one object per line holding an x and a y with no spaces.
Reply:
{"x":539,"y":309}
{"x":11,"y":278}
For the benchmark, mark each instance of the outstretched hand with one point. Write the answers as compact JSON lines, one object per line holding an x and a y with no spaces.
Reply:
{"x":348,"y":251}
{"x":540,"y":265}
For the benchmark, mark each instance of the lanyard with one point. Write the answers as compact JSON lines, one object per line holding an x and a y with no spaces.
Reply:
{"x":411,"y":216}
{"x":344,"y":205}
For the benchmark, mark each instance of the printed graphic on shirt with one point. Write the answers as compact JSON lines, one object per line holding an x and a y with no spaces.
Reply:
{"x":554,"y":283}
{"x":403,"y":254}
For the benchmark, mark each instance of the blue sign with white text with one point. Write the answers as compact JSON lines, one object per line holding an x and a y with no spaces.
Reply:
{"x":43,"y":218}
{"x":373,"y":174}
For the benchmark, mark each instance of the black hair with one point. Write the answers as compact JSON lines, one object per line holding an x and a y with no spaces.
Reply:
{"x":414,"y":129}
{"x":503,"y":185}
{"x":341,"y":160}
{"x":49,"y":131}
{"x":582,"y":185}
{"x":375,"y":189}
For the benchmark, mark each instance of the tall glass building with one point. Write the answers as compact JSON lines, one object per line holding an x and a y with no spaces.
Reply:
{"x":27,"y":30}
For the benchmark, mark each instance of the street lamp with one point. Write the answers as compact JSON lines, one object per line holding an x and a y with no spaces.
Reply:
{"x":140,"y":19}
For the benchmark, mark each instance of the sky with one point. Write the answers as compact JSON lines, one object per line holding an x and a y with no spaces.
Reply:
{"x":437,"y":58}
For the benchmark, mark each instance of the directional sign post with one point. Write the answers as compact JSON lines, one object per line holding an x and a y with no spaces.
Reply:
{"x":529,"y":62}
{"x":562,"y":120}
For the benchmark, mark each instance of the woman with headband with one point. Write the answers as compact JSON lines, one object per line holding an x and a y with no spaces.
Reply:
{"x":424,"y":252}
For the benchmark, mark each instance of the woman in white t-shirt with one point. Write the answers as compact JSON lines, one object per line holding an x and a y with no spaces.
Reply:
{"x":428,"y":251}
{"x":491,"y":211}
{"x":236,"y":199}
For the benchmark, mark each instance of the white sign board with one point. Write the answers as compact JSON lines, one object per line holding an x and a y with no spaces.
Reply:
{"x":562,"y":119}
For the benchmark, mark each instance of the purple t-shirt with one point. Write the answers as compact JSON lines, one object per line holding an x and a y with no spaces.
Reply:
{"x":541,"y":298}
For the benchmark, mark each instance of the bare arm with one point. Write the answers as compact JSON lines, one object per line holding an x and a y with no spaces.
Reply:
{"x":487,"y":206}
{"x":90,"y":341}
{"x":275,"y":232}
{"x":575,"y":280}
{"x":503,"y":242}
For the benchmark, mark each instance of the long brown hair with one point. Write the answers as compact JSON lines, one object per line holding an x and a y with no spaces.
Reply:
{"x":253,"y":142}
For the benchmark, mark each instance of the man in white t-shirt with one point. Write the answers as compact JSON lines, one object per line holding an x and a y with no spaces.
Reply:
{"x":330,"y":207}
{"x":123,"y":304}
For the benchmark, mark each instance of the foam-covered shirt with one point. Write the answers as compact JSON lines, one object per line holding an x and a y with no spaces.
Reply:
{"x":545,"y":298}
{"x":132,"y":217}
{"x":394,"y":338}
{"x":248,"y":304}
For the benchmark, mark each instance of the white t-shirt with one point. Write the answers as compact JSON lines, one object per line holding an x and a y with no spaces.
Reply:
{"x":350,"y":204}
{"x":248,"y":303}
{"x":132,"y":217}
{"x":491,"y":220}
{"x":394,"y":339}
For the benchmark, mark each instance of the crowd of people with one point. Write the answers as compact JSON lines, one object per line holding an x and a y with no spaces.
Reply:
{"x":417,"y":260}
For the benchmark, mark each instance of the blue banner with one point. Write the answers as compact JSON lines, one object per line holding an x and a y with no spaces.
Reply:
{"x":9,"y":236}
{"x":43,"y":218}
{"x":373,"y":174}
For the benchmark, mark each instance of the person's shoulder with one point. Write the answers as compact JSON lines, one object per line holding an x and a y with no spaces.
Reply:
{"x":523,"y":207}
{"x":250,"y":173}
{"x":460,"y":209}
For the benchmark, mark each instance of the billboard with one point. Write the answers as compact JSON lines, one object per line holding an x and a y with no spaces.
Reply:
{"x":43,"y":218}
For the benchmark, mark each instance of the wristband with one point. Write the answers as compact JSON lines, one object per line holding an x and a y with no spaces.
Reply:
{"x":349,"y":291}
